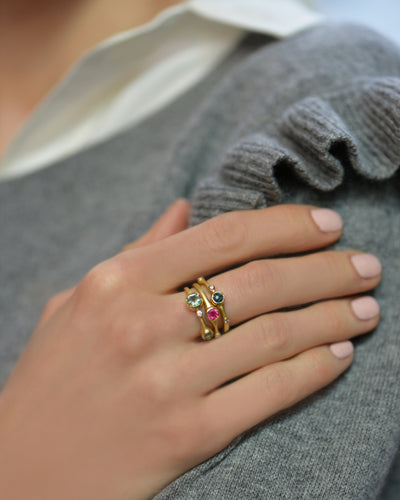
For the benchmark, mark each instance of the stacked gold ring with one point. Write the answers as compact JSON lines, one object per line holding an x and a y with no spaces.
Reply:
{"x":213,"y":306}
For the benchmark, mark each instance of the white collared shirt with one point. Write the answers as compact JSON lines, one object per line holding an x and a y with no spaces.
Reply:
{"x":133,"y":74}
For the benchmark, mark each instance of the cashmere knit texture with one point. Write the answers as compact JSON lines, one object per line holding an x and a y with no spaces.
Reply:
{"x":318,"y":122}
{"x":312,"y":119}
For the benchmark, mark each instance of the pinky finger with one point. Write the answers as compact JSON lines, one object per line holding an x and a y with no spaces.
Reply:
{"x":246,"y":402}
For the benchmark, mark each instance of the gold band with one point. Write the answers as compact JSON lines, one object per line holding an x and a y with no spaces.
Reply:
{"x":211,"y":311}
{"x":195,"y":303}
{"x":213,"y":308}
{"x":218,"y":300}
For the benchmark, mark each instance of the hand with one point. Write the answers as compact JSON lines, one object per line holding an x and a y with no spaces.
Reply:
{"x":174,"y":219}
{"x":114,"y":395}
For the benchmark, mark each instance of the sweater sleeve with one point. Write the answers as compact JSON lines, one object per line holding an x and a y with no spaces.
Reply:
{"x":313,"y":119}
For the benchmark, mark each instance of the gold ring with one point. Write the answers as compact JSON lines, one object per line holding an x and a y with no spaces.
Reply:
{"x":217,"y":299}
{"x":206,"y":307}
{"x":195,"y":303}
{"x":212,"y":312}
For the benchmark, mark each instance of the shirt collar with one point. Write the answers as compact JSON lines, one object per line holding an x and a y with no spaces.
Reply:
{"x":73,"y":116}
{"x":273,"y":17}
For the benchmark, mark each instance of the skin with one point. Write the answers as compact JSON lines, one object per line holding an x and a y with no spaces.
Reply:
{"x":41,"y":40}
{"x":115,"y":396}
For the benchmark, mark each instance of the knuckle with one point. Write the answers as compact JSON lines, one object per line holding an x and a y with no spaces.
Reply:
{"x":260,"y":276}
{"x":337,"y":321}
{"x":279,"y":336}
{"x":279,"y":383}
{"x":317,"y":366}
{"x":334,"y":263}
{"x":224,"y":233}
{"x":272,"y":333}
{"x":104,"y":280}
{"x":293,"y":217}
{"x":275,"y":378}
{"x":291,"y":214}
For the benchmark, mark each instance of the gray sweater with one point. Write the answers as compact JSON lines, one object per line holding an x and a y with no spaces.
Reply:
{"x":312,"y":119}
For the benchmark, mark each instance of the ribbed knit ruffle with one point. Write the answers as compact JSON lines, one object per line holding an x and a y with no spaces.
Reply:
{"x":316,"y":139}
{"x":315,"y":107}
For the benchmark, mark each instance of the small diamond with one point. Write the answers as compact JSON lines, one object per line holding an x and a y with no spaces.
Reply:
{"x":212,"y":287}
{"x":217,"y":298}
{"x":212,"y":313}
{"x":227,"y":321}
{"x":199,"y":314}
{"x":194,"y":300}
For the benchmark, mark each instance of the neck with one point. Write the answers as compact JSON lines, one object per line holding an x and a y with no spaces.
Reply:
{"x":45,"y":37}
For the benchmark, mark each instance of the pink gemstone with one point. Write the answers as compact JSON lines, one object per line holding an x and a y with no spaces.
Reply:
{"x":212,"y":313}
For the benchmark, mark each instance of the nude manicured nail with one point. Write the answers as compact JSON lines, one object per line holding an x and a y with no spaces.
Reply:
{"x":365,"y":307}
{"x":367,"y":265}
{"x":327,"y":220}
{"x":342,"y":350}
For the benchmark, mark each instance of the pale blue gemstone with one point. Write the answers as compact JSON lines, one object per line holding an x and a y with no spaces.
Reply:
{"x":194,"y":300}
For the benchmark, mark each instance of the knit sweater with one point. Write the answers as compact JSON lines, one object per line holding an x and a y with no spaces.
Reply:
{"x":313,"y":119}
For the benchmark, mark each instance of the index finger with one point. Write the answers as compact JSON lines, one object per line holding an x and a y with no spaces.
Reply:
{"x":230,"y":239}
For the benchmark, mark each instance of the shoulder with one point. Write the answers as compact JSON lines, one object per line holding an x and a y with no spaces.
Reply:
{"x":311,"y":102}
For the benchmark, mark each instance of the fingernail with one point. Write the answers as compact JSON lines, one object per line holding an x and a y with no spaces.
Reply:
{"x":342,"y":350}
{"x":367,"y":265}
{"x":365,"y":307}
{"x":327,"y":220}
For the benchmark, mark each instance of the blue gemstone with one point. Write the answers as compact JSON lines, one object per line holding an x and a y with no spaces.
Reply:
{"x":217,"y":297}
